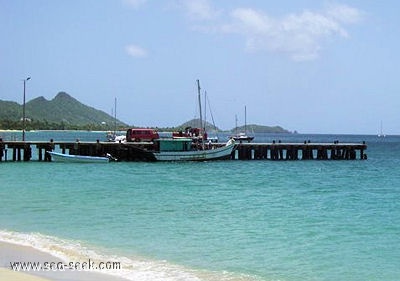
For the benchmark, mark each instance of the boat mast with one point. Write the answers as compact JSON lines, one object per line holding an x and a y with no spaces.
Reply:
{"x":212,"y":117}
{"x":245,"y":120}
{"x":205,"y":110}
{"x":236,"y":127}
{"x":115,"y":116}
{"x":199,"y":97}
{"x":381,"y":133}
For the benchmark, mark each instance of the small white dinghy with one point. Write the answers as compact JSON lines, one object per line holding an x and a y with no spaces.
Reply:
{"x":61,"y":157}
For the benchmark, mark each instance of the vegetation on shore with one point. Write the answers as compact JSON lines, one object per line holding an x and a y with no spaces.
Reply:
{"x":45,"y":125}
{"x":64,"y":112}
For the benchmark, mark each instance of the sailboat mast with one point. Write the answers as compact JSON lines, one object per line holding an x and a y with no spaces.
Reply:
{"x":245,"y":120}
{"x":205,"y":110}
{"x":199,"y":97}
{"x":115,"y":116}
{"x":236,"y":127}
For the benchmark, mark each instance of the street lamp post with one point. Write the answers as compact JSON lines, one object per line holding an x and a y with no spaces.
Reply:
{"x":23,"y":111}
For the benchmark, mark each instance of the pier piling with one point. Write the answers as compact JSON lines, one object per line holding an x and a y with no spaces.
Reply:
{"x":306,"y":151}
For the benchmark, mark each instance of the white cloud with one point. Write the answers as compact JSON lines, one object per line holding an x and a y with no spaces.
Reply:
{"x":198,"y":9}
{"x":136,"y":51}
{"x":135,"y":3}
{"x":345,"y":14}
{"x":300,"y":36}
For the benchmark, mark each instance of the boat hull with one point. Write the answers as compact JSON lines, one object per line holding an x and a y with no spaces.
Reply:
{"x":196,"y":155}
{"x":60,"y":157}
{"x":243,"y":138}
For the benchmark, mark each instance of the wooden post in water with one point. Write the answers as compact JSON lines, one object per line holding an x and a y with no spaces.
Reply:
{"x":40,"y":154}
{"x":27,"y":152}
{"x":280,"y":152}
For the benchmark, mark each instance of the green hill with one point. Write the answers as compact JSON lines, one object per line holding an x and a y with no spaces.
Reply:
{"x":10,"y":110}
{"x":62,"y":109}
{"x":195,"y":123}
{"x":262,"y":129}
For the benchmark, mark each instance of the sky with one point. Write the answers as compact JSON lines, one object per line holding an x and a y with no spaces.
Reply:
{"x":310,"y":66}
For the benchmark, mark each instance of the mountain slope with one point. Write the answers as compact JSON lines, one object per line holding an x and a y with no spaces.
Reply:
{"x":10,"y":110}
{"x":62,"y":109}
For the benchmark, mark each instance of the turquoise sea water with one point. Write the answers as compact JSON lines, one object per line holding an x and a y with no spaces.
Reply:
{"x":224,"y":220}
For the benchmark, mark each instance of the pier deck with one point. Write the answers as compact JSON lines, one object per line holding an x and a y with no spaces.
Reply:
{"x":134,"y":151}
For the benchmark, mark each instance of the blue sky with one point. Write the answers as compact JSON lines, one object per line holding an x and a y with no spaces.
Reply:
{"x":310,"y":66}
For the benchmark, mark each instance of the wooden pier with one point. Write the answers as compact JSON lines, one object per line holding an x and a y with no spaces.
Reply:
{"x":300,"y":151}
{"x":133,"y":151}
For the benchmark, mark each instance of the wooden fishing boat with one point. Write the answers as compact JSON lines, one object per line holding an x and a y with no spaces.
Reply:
{"x":183,"y":149}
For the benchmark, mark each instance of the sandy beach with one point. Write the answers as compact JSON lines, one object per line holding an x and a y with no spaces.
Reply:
{"x":9,"y":275}
{"x":13,"y":253}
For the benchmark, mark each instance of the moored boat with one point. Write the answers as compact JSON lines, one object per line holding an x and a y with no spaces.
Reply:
{"x":242,"y":137}
{"x":183,"y":149}
{"x":191,"y":146}
{"x":61,"y":157}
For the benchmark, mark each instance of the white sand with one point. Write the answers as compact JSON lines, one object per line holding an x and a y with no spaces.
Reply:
{"x":9,"y":275}
{"x":14,"y":253}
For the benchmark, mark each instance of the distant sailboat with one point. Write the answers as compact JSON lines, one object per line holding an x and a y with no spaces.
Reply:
{"x":243,"y":135}
{"x":381,"y":134}
{"x":112,"y":136}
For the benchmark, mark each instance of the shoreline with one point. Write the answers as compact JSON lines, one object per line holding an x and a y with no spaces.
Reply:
{"x":10,"y":252}
{"x":28,"y":251}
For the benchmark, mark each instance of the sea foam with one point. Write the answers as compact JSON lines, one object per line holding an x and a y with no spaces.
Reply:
{"x":136,"y":268}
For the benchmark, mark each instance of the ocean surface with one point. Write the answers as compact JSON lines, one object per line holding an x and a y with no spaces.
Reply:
{"x":224,"y":220}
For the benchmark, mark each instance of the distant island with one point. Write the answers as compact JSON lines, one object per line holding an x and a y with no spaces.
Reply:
{"x":251,"y":128}
{"x":64,"y":112}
